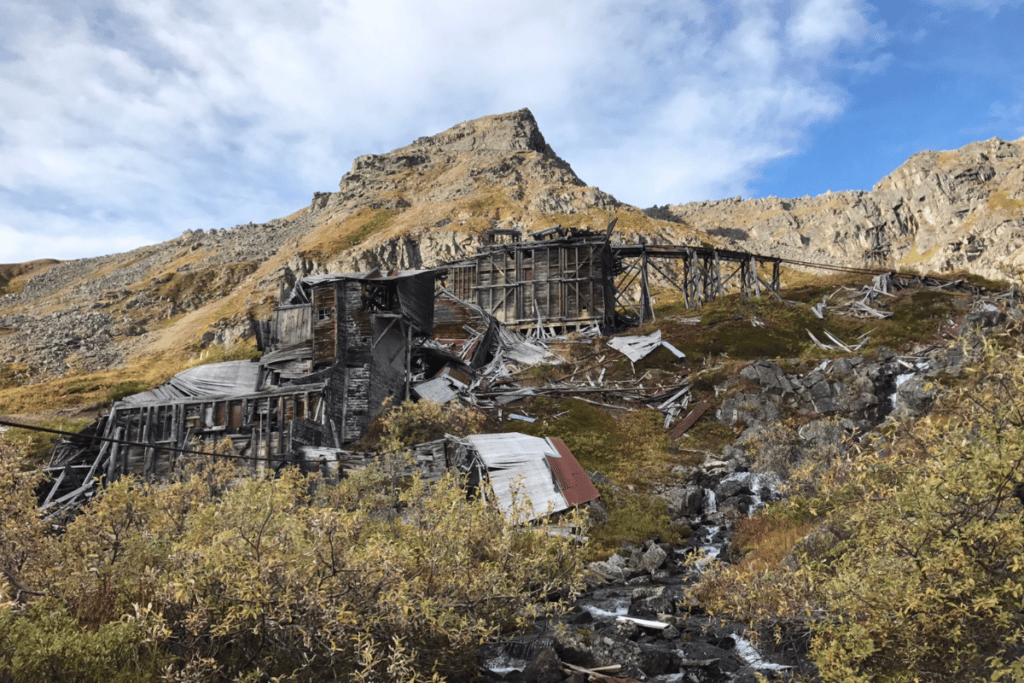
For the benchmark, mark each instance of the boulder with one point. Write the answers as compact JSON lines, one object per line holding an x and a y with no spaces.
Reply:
{"x":544,"y":668}
{"x":589,"y":649}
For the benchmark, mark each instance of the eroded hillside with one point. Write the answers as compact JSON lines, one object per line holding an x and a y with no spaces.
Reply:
{"x":84,"y":326}
{"x":953,"y":211}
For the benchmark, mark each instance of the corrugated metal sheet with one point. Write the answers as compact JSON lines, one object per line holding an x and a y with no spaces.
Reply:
{"x":234,"y":378}
{"x":438,"y":389}
{"x":577,"y":488}
{"x":638,"y":347}
{"x":517,"y":466}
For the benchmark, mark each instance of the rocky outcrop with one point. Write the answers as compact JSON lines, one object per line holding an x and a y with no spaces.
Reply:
{"x":960,"y":210}
{"x":420,"y":205}
{"x":431,"y":201}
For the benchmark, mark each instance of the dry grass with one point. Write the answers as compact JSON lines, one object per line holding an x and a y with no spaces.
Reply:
{"x":14,"y":276}
{"x":629,"y":220}
{"x":1002,"y":201}
{"x":914,"y":257}
{"x":338,"y":235}
{"x":92,"y":391}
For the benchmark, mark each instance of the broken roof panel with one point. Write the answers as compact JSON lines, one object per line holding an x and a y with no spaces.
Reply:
{"x":572,"y":478}
{"x":439,"y":389}
{"x":544,"y":472}
{"x":517,"y":467}
{"x":233,"y":378}
{"x":638,"y":347}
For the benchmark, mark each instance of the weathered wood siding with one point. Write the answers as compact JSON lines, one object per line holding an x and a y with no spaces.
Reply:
{"x":325,"y":318}
{"x":560,"y":283}
{"x":293,"y":325}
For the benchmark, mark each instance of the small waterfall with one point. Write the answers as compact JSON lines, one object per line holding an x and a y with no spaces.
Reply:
{"x":710,"y":502}
{"x":902,"y":378}
{"x":749,"y":653}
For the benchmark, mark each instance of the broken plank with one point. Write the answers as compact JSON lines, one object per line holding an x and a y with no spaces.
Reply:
{"x":690,"y":419}
{"x":646,"y":623}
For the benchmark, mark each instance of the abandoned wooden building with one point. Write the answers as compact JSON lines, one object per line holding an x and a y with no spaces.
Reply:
{"x":335,"y":349}
{"x":567,"y":279}
{"x":560,"y":279}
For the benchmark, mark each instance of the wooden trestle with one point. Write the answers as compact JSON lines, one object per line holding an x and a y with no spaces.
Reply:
{"x":703,"y":274}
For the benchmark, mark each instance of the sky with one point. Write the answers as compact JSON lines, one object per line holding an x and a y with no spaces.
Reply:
{"x":125,"y":123}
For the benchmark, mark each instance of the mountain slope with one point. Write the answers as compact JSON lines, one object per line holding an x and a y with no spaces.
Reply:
{"x":960,"y":210}
{"x":420,"y":205}
{"x":156,"y":308}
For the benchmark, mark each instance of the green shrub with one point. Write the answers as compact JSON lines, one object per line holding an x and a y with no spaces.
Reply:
{"x":47,"y":645}
{"x":216,"y":576}
{"x":634,"y":518}
{"x":922,"y":577}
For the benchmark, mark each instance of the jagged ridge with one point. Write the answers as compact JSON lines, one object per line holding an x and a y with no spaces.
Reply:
{"x":960,"y":210}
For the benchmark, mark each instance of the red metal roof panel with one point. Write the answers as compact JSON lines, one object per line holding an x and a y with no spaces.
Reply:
{"x":572,"y":479}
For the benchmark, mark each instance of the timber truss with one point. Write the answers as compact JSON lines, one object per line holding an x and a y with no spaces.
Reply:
{"x":702,"y":274}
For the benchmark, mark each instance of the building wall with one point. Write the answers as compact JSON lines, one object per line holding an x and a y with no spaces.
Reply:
{"x":563,"y":283}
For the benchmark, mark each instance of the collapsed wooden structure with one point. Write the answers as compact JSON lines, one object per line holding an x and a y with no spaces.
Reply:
{"x":339,"y":346}
{"x":529,"y":476}
{"x":336,"y":348}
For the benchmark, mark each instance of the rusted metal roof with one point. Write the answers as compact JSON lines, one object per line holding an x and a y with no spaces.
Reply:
{"x":572,"y":478}
{"x":689,"y":420}
{"x":542,"y":472}
{"x":519,"y":473}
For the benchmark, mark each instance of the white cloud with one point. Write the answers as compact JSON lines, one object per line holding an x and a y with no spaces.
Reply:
{"x":990,"y":7}
{"x":823,"y":24}
{"x":171,"y":114}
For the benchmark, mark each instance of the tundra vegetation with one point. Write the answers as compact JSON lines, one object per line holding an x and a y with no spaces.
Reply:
{"x":216,"y":576}
{"x":899,"y":559}
{"x":893,"y":559}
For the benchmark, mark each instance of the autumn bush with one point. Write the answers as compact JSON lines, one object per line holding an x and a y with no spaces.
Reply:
{"x":915,"y":569}
{"x":224,"y":575}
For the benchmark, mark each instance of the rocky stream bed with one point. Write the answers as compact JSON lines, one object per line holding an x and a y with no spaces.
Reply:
{"x":636,"y":618}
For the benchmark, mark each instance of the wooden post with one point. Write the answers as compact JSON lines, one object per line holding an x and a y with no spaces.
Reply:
{"x":718,"y":275}
{"x":646,"y":310}
{"x":115,"y":454}
{"x":280,"y":425}
{"x":344,"y":410}
{"x":408,"y":361}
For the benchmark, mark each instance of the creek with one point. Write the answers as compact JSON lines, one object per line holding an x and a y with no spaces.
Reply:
{"x":637,"y":614}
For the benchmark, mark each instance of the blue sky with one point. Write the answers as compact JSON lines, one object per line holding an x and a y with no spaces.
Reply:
{"x":126,"y":123}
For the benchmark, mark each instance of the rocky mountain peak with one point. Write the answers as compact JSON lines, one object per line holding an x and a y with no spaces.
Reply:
{"x":503,"y":150}
{"x":512,"y":132}
{"x":955,"y":210}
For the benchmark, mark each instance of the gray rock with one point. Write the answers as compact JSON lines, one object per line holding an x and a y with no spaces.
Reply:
{"x":683,"y":501}
{"x":589,"y":649}
{"x":916,"y":395}
{"x":544,"y":668}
